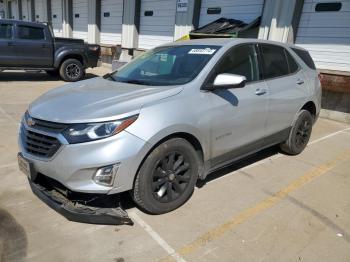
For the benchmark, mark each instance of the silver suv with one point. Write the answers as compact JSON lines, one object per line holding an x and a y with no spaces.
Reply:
{"x":168,"y":118}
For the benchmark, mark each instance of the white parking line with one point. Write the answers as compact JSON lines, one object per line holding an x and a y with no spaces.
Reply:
{"x":161,"y":242}
{"x":330,"y":135}
{"x":7,"y":115}
{"x":280,"y":155}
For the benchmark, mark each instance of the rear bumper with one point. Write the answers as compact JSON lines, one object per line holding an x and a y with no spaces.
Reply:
{"x":83,"y":212}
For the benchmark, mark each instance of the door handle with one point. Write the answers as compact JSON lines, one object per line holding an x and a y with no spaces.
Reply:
{"x":10,"y":44}
{"x":260,"y":92}
{"x":44,"y":46}
{"x":300,"y":81}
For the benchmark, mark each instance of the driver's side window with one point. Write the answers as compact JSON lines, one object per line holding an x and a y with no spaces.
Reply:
{"x":240,"y":60}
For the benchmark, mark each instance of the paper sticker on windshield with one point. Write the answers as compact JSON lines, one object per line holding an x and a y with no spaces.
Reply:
{"x":202,"y":51}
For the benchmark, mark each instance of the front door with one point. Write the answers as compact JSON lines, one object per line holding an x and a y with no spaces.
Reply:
{"x":238,"y":114}
{"x":8,"y":56}
{"x":33,"y":47}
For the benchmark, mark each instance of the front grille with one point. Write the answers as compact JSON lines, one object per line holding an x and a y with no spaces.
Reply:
{"x":46,"y":126}
{"x":38,"y":144}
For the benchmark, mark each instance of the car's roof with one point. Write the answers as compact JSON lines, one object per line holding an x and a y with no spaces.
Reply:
{"x":229,"y":41}
{"x":21,"y":22}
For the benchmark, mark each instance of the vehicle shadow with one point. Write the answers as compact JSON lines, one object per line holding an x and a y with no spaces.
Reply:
{"x":12,"y":76}
{"x":127,"y":202}
{"x":13,"y":238}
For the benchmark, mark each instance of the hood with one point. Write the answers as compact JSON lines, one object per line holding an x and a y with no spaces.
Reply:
{"x":96,"y":100}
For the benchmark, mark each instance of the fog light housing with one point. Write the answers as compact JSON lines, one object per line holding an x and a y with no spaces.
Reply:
{"x":105,"y":175}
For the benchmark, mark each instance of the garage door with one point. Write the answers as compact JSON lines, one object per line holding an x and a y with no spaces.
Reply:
{"x":111,"y":21}
{"x":40,"y":15}
{"x":157,"y":22}
{"x":12,"y":8}
{"x":324,"y":30}
{"x":56,"y":16}
{"x":26,"y":10}
{"x":244,"y":10}
{"x":80,"y":19}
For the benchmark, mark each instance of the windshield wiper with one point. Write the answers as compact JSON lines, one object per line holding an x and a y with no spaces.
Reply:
{"x":137,"y":82}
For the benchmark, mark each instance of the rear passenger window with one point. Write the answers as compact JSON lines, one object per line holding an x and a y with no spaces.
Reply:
{"x":275,"y":62}
{"x":241,"y":60}
{"x":293,"y":66}
{"x":5,"y":31}
{"x":30,"y":33}
{"x":305,"y":56}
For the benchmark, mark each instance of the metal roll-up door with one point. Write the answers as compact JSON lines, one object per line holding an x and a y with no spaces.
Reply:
{"x":80,"y":19}
{"x":57,"y":17}
{"x":39,"y":11}
{"x":111,"y":21}
{"x":244,"y":10}
{"x":26,"y":10}
{"x":12,"y":9}
{"x":157,"y":23}
{"x":324,"y":30}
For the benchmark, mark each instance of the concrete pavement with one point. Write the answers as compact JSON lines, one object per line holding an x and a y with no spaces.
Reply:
{"x":270,"y":207}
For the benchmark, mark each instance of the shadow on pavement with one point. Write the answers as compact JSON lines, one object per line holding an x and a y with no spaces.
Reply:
{"x":263,"y":154}
{"x":127,"y":202}
{"x":11,"y":76}
{"x":13,"y":239}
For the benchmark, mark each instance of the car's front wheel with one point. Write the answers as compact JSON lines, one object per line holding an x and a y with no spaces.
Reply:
{"x":167,"y":177}
{"x":299,"y":135}
{"x":72,"y":70}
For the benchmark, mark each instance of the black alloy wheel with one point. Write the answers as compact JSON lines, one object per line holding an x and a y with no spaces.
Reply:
{"x":303,"y":133}
{"x":299,"y":134}
{"x":167,"y":177}
{"x":170,"y":177}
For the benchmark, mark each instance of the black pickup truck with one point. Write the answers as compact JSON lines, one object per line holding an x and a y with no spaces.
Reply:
{"x":32,"y":46}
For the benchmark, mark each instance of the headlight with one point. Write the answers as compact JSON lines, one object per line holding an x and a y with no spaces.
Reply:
{"x":80,"y":133}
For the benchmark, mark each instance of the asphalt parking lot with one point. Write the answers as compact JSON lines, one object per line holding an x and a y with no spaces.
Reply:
{"x":270,"y":207}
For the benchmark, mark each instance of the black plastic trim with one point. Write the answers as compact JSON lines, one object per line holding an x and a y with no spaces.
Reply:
{"x":79,"y":213}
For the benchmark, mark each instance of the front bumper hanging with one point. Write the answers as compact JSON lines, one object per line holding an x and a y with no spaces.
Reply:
{"x":81,"y":210}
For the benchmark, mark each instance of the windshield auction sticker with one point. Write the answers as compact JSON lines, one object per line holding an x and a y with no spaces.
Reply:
{"x":202,"y":51}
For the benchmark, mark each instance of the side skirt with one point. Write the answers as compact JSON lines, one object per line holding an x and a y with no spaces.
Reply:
{"x":237,"y":154}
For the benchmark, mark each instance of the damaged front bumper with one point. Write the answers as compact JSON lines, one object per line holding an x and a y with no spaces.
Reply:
{"x":84,"y":208}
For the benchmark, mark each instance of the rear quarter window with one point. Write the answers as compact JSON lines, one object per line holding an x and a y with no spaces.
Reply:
{"x":305,"y":56}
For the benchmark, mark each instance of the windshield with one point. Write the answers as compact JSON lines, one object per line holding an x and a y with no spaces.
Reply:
{"x":172,"y":65}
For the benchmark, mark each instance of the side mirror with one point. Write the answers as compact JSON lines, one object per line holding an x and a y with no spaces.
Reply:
{"x":227,"y":81}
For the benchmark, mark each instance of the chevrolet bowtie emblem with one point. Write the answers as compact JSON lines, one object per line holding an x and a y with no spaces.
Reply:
{"x":30,"y":122}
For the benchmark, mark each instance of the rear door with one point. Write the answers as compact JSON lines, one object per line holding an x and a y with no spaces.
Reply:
{"x":33,"y":46}
{"x":287,"y":91}
{"x":238,"y":115}
{"x":7,"y":52}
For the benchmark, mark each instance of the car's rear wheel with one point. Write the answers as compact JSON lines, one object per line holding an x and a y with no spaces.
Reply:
{"x":299,"y":135}
{"x":167,"y":177}
{"x":72,"y":70}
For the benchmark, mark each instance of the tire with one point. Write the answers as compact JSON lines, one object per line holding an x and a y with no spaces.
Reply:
{"x":53,"y":73}
{"x":167,"y":177}
{"x":71,"y":70}
{"x":299,"y":135}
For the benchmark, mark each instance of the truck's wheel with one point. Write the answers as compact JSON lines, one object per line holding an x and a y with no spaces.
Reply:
{"x":72,"y":70}
{"x":299,"y":135}
{"x":167,"y":177}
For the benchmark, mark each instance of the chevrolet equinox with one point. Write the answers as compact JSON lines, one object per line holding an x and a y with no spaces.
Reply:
{"x":170,"y":117}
